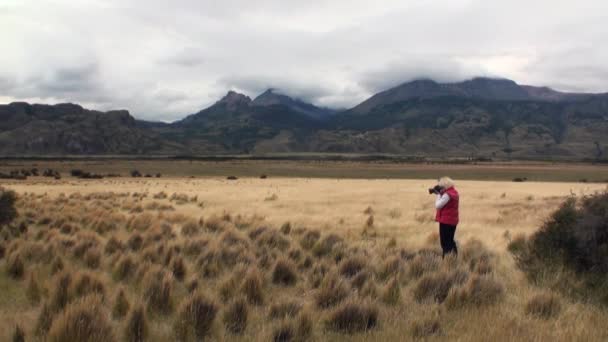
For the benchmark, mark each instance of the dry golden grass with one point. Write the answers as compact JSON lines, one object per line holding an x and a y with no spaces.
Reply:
{"x":314,"y":259}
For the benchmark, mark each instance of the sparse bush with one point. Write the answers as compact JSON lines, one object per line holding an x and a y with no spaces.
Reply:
{"x":195,"y":318}
{"x":121,"y":305}
{"x":284,"y":332}
{"x":284,"y":273}
{"x":354,"y":317}
{"x":7,"y":206}
{"x":543,"y":305}
{"x":84,"y":321}
{"x":235,"y":316}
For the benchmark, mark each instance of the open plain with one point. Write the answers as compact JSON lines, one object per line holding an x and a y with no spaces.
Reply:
{"x":280,"y":258}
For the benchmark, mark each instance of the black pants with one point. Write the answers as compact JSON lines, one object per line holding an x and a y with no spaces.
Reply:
{"x":446,"y":236}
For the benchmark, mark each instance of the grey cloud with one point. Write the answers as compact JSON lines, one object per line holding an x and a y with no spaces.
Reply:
{"x":163,"y":60}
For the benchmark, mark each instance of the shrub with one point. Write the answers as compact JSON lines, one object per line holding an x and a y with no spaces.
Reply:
{"x":195,"y":318}
{"x":426,"y":327}
{"x":158,"y":290}
{"x":136,"y":329}
{"x":575,"y":240}
{"x":7,"y":206}
{"x":18,"y":334}
{"x":353,"y":317}
{"x":191,"y":228}
{"x":332,"y":291}
{"x":235,"y":316}
{"x":83,"y":321}
{"x":284,"y":273}
{"x":121,"y":305}
{"x":253,"y":288}
{"x":543,"y":305}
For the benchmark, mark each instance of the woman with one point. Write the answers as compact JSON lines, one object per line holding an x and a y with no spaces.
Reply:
{"x":447,"y":214}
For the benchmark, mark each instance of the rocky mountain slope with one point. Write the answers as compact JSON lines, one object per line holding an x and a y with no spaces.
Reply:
{"x":488,"y":118}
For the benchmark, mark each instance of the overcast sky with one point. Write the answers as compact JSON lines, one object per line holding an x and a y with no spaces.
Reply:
{"x":165,"y":59}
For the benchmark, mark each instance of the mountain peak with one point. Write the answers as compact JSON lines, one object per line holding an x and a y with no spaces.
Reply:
{"x":271,"y":98}
{"x":233,"y":100}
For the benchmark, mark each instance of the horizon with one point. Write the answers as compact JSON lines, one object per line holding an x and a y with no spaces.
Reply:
{"x":162,"y":60}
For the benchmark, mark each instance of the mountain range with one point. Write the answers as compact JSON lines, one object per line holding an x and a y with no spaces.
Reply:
{"x":480,"y":118}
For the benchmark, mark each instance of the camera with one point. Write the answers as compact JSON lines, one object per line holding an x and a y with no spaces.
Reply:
{"x":435,"y":190}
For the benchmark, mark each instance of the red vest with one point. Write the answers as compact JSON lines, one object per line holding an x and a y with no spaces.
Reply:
{"x":449,"y":213}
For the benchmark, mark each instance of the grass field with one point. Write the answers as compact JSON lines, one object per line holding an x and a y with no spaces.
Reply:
{"x":307,"y":258}
{"x":504,"y":171}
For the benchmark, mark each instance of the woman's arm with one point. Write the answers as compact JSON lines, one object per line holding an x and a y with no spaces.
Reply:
{"x":442,"y":200}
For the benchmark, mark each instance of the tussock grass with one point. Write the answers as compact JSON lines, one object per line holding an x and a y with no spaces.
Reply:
{"x":235,"y":316}
{"x":136,"y":327}
{"x":352,"y":317}
{"x":82,"y":321}
{"x":333,"y":290}
{"x":253,"y":287}
{"x":544,"y":305}
{"x":121,"y":305}
{"x":195,"y":318}
{"x":284,"y":273}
